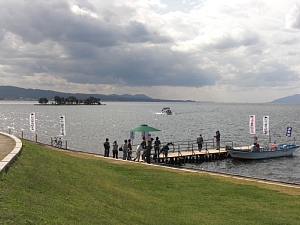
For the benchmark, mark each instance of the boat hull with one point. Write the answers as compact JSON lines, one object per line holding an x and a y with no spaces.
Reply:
{"x":237,"y":153}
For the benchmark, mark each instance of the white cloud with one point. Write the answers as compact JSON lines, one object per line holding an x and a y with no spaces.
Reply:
{"x":292,"y":18}
{"x":83,"y":11}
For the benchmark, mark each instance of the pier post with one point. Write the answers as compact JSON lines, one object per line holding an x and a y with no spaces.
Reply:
{"x":172,"y":161}
{"x":193,"y":159}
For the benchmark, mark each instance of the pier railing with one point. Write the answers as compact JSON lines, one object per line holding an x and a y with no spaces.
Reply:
{"x":192,"y":145}
{"x":181,"y":147}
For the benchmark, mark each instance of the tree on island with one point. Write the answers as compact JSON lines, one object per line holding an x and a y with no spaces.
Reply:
{"x":57,"y":100}
{"x":92,"y":101}
{"x":71,"y":101}
{"x":43,"y":101}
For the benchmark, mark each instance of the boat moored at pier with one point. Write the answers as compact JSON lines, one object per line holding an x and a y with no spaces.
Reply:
{"x":255,"y":152}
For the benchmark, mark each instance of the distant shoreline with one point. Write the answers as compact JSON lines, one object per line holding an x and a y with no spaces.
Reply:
{"x":15,"y":93}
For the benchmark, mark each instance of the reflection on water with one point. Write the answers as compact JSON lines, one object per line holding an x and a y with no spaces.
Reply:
{"x":88,"y":126}
{"x":284,"y":169}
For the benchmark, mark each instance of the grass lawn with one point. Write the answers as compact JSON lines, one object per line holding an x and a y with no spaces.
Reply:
{"x":46,"y":186}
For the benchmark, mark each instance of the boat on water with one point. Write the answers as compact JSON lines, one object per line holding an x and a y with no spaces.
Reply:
{"x":167,"y":111}
{"x":256,"y":152}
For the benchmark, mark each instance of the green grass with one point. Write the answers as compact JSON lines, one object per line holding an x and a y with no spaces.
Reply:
{"x":51,"y":187}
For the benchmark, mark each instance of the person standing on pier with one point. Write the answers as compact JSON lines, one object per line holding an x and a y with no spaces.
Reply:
{"x":115,"y":150}
{"x":144,"y":145}
{"x":148,"y":151}
{"x":165,"y":151}
{"x":218,"y":138}
{"x":129,"y":150}
{"x":139,"y":148}
{"x":106,"y":147}
{"x":125,"y":150}
{"x":156,"y":147}
{"x":200,"y":142}
{"x":148,"y":138}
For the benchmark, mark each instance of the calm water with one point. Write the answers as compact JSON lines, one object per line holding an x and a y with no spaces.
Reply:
{"x":88,"y":126}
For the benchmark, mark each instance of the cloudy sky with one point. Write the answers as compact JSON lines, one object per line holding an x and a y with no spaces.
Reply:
{"x":203,"y":50}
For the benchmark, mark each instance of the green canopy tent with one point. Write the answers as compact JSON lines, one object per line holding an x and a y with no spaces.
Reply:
{"x":144,"y":128}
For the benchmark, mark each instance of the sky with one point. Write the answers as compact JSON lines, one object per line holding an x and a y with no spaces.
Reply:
{"x":202,"y":50}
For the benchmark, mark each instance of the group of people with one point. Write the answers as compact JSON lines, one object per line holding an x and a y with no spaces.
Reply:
{"x":217,"y":137}
{"x":126,"y":148}
{"x":143,"y":150}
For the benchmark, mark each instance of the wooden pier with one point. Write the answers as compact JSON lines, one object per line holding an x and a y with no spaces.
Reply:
{"x":187,"y":152}
{"x":194,"y":156}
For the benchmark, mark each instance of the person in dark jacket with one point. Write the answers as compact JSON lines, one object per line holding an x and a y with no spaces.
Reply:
{"x":165,"y":150}
{"x":200,"y":142}
{"x":156,"y":147}
{"x":129,"y":154}
{"x":125,"y":150}
{"x":115,"y":150}
{"x":106,"y":147}
{"x":144,"y":145}
{"x":148,"y":151}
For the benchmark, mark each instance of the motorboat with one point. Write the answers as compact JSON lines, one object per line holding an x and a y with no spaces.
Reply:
{"x":256,"y":152}
{"x":167,"y":111}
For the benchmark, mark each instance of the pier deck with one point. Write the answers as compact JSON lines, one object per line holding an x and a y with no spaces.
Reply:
{"x":192,"y":156}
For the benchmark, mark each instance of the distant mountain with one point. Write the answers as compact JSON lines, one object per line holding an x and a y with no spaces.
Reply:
{"x":16,"y":93}
{"x":294,"y":99}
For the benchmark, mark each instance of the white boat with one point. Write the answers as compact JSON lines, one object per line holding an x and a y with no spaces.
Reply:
{"x":167,"y":111}
{"x":253,"y":152}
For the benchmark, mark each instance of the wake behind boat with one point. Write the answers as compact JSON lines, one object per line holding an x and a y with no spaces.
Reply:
{"x":255,"y":152}
{"x":167,"y":111}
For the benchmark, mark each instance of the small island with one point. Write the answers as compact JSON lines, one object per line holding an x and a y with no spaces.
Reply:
{"x":70,"y":101}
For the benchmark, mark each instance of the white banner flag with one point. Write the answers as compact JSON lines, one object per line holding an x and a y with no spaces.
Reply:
{"x":266,"y":130}
{"x":62,"y":124}
{"x":32,"y":122}
{"x":131,"y":135}
{"x":252,"y":124}
{"x":144,"y":134}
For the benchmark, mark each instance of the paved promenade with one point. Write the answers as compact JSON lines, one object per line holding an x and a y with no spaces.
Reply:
{"x":10,"y":147}
{"x":7,"y":144}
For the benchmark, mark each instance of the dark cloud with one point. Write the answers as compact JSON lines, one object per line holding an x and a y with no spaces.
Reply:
{"x":137,"y":32}
{"x":134,"y":44}
{"x":38,"y":21}
{"x":35,"y":21}
{"x":274,"y":77}
{"x":143,"y":68}
{"x":96,"y":51}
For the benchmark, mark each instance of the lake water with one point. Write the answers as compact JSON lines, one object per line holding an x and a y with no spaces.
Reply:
{"x":88,"y":126}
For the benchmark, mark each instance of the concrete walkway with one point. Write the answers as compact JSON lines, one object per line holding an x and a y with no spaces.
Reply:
{"x":10,"y":148}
